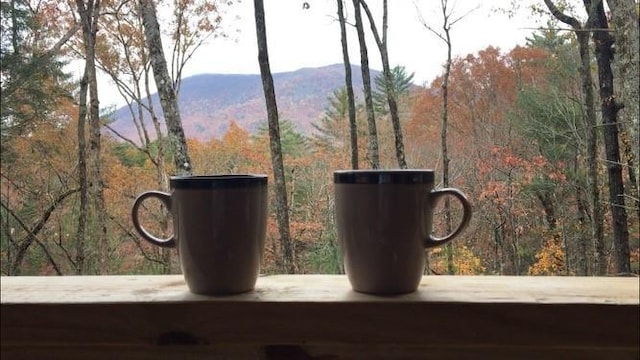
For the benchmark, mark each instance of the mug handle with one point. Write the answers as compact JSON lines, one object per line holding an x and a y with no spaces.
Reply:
{"x":166,"y":199}
{"x":433,"y":241}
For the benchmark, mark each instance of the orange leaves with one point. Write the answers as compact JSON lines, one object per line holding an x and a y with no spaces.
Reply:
{"x":193,"y":21}
{"x":465,"y":262}
{"x":539,"y":161}
{"x":493,"y":190}
{"x":236,"y":152}
{"x":235,"y":137}
{"x":510,"y":160}
{"x":550,"y":260}
{"x":306,"y":231}
{"x":523,"y":169}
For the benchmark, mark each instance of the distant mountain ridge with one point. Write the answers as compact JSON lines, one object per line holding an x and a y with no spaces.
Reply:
{"x":210,"y":102}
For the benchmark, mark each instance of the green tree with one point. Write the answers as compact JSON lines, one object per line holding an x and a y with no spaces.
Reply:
{"x":128,"y":155}
{"x":401,"y":83}
{"x":294,"y":144}
{"x":32,"y":77}
{"x":330,"y":131}
{"x":582,"y":33}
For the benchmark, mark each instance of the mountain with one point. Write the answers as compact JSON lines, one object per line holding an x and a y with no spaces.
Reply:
{"x":210,"y":102}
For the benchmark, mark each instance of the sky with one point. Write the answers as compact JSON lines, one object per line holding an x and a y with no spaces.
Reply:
{"x":299,"y":38}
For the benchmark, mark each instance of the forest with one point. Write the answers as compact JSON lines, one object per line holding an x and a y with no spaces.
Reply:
{"x":543,"y":139}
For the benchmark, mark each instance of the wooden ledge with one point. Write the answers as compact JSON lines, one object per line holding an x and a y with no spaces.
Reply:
{"x":319,"y":316}
{"x":321,"y":288}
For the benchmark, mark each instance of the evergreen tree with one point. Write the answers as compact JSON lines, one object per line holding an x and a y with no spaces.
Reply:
{"x":32,"y":80}
{"x":400,"y":85}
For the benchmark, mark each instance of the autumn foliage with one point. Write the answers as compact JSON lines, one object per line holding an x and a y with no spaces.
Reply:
{"x":529,"y":217}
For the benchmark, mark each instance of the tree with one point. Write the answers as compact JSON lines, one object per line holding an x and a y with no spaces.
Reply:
{"x":34,"y":90}
{"x":550,"y":115}
{"x":489,"y":161}
{"x":388,"y":80}
{"x":32,"y":70}
{"x":168,"y":98}
{"x":553,"y":122}
{"x":372,"y":149}
{"x":92,"y":208}
{"x":37,"y":190}
{"x":609,"y":106}
{"x":582,"y":35}
{"x":282,"y":212}
{"x":400,"y":85}
{"x":124,"y":57}
{"x":292,"y":142}
{"x":353,"y":130}
{"x":447,"y":23}
{"x":192,"y":24}
{"x":331,"y":129}
{"x":626,"y":62}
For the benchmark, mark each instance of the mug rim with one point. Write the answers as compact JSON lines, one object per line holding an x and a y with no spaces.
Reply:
{"x":220,"y":181}
{"x":384,"y":176}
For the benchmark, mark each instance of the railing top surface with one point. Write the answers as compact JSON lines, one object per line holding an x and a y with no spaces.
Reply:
{"x":322,"y":288}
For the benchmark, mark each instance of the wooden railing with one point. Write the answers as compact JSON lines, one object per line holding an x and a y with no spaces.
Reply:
{"x":320,"y":317}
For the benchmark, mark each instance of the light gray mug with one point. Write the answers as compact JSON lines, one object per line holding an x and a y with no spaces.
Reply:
{"x":384,"y":222}
{"x":219,"y":225}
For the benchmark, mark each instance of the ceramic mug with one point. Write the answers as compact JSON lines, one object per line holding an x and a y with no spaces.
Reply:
{"x":219,"y":229}
{"x":384,"y":223}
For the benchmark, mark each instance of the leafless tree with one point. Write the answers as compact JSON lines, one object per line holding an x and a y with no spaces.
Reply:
{"x":166,"y":92}
{"x":353,"y":129}
{"x":388,"y":80}
{"x":372,"y":152}
{"x":448,"y":20}
{"x":91,"y":182}
{"x":282,"y":211}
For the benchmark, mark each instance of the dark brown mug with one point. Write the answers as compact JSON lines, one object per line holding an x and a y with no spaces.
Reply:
{"x":219,"y":229}
{"x":384,"y":223}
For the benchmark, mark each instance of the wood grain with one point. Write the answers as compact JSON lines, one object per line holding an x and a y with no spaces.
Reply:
{"x":319,"y":316}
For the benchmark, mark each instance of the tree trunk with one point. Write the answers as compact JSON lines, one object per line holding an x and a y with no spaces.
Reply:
{"x":83,"y":207}
{"x":282,"y":212}
{"x":152,"y":141}
{"x":582,"y":263}
{"x":388,"y":81}
{"x":353,"y":128}
{"x":624,"y":19}
{"x":443,"y":143}
{"x":546,"y":201}
{"x":591,"y":122}
{"x":96,"y":185}
{"x":604,"y":55}
{"x":373,"y":152}
{"x":447,"y":12}
{"x":94,"y":208}
{"x":629,"y":155}
{"x":166,"y":92}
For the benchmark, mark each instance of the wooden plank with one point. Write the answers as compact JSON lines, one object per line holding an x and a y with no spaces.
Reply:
{"x":318,"y":316}
{"x":292,"y":352}
{"x":322,"y":288}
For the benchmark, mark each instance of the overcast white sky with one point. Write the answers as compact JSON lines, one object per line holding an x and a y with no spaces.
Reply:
{"x":299,"y":38}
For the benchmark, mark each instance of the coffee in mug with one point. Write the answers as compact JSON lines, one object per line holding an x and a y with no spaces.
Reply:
{"x":384,"y":223}
{"x":219,"y":229}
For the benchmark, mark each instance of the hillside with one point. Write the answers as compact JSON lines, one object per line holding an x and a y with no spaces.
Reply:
{"x":209,"y":102}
